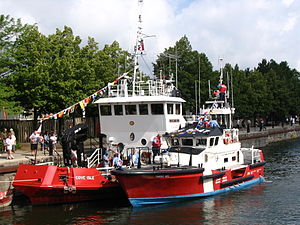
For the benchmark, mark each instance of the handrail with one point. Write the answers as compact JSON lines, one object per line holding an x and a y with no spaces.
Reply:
{"x":94,"y":158}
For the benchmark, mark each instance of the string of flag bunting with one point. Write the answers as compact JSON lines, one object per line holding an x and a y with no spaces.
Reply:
{"x":82,"y":104}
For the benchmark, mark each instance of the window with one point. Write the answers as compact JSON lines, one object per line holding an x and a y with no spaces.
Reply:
{"x":177,"y":109}
{"x":130,"y":109}
{"x":157,"y":109}
{"x":225,"y":160}
{"x":201,"y":142}
{"x":211,"y":142}
{"x":170,"y":108}
{"x":105,"y":110}
{"x":188,"y":142}
{"x":143,"y":109}
{"x":118,"y":110}
{"x":174,"y":142}
{"x":233,"y":158}
{"x":216,"y":140}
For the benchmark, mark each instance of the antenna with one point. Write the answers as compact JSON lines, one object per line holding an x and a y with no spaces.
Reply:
{"x":221,"y":69}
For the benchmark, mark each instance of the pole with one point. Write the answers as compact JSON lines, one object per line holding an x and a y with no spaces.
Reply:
{"x":199,"y":86}
{"x":196,"y":97}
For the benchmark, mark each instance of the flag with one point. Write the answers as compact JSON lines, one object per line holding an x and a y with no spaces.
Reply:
{"x":141,"y":45}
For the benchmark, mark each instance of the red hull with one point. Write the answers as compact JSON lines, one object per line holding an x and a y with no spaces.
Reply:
{"x":145,"y":188}
{"x":44,"y":184}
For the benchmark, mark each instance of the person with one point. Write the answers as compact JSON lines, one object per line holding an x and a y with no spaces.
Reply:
{"x":214,"y":123}
{"x":248,"y":125}
{"x":117,"y":162}
{"x":42,"y":142}
{"x":34,"y":139}
{"x":238,"y":123}
{"x":222,"y":90}
{"x":74,"y":157}
{"x":156,"y":144}
{"x":46,"y":142}
{"x":9,"y":144}
{"x":14,"y":139}
{"x":106,"y":160}
{"x":52,"y":143}
{"x":135,"y":158}
{"x":3,"y":137}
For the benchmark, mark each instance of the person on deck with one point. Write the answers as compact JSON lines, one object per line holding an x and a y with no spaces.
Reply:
{"x":117,"y":162}
{"x":156,"y":144}
{"x":222,"y":91}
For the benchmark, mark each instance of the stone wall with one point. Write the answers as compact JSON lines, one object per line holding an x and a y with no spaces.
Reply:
{"x":261,"y":139}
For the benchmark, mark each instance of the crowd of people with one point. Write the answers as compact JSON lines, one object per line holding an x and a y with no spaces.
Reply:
{"x":47,"y":142}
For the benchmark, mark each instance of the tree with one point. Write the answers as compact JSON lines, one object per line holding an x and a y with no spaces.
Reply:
{"x":188,"y":70}
{"x":10,"y":29}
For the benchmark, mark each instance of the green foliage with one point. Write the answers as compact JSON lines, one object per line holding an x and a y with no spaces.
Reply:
{"x":54,"y":72}
{"x":187,"y":70}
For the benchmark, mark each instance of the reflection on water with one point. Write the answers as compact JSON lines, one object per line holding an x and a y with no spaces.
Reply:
{"x":276,"y":201}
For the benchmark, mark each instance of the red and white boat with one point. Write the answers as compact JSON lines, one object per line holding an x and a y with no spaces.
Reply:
{"x":216,"y":162}
{"x":215,"y":167}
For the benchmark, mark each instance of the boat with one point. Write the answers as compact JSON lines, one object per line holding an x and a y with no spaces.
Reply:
{"x":53,"y":184}
{"x":203,"y":159}
{"x":6,"y":197}
{"x":49,"y":184}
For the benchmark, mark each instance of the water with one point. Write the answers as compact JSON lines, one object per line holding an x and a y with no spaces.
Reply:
{"x":276,"y":201}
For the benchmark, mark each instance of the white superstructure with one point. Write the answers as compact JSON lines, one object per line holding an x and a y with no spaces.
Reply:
{"x":133,"y":118}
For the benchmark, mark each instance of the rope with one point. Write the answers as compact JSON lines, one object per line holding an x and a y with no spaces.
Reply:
{"x":9,"y":181}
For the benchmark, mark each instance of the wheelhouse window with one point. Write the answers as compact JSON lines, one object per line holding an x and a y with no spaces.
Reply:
{"x":177,"y":109}
{"x":201,"y":142}
{"x":211,"y":142}
{"x":118,"y":110}
{"x":216,"y":140}
{"x":143,"y":109}
{"x":187,"y":142}
{"x":174,"y":142}
{"x":157,"y":109}
{"x":105,"y":110}
{"x":170,"y":109}
{"x":130,"y":109}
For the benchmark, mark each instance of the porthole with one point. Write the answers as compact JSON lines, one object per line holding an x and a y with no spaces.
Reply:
{"x":132,"y":137}
{"x":144,"y":141}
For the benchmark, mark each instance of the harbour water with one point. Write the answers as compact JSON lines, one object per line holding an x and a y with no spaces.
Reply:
{"x":276,"y":201}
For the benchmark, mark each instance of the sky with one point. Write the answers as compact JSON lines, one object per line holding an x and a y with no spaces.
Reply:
{"x":241,"y":32}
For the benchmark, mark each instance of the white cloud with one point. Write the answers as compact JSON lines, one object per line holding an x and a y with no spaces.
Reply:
{"x":241,"y":31}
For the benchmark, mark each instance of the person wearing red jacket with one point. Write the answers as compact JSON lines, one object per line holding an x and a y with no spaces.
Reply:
{"x":156,"y":144}
{"x":222,"y":89}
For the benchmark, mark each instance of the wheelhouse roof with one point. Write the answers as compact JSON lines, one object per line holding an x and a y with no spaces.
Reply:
{"x":193,"y":131}
{"x":138,"y":99}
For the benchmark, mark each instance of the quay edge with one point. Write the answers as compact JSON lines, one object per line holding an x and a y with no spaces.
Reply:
{"x":270,"y":135}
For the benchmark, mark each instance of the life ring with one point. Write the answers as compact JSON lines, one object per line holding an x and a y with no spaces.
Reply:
{"x":226,"y":141}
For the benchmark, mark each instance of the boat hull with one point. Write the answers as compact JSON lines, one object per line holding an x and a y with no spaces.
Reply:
{"x":44,"y":184}
{"x":6,"y":198}
{"x":146,"y":189}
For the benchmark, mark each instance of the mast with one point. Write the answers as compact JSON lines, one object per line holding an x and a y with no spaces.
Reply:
{"x":199,"y":87}
{"x":139,"y":46}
